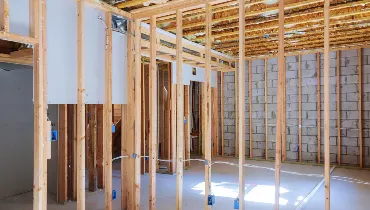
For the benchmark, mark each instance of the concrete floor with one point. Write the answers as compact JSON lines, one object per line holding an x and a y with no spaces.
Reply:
{"x":349,"y":189}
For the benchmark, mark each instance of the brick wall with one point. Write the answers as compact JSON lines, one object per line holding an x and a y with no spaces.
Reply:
{"x":349,"y":108}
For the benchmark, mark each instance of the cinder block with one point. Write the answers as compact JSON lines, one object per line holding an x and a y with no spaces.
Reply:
{"x":348,"y":141}
{"x":352,"y":97}
{"x":294,"y":147}
{"x":349,"y":106}
{"x":271,"y":61}
{"x":308,"y":156}
{"x":309,"y":90}
{"x":309,"y":106}
{"x":353,"y":150}
{"x":229,"y":78}
{"x":312,"y":148}
{"x":333,"y":141}
{"x":308,"y":57}
{"x":349,"y":159}
{"x":309,"y":140}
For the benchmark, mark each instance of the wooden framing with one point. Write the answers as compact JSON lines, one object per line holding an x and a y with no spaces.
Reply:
{"x":80,"y":107}
{"x":279,"y":128}
{"x":250,"y":107}
{"x":338,"y":107}
{"x":180,"y":112}
{"x":326,"y":104}
{"x":360,"y":106}
{"x":222,"y":112}
{"x":4,"y":17}
{"x":137,"y":111}
{"x":187,"y":129}
{"x":283,"y":112}
{"x":91,"y":149}
{"x":107,"y":116}
{"x":62,"y":194}
{"x":236,"y":79}
{"x":318,"y":70}
{"x":161,"y":112}
{"x":143,"y":118}
{"x":128,"y":132}
{"x":153,"y":114}
{"x":266,"y":112}
{"x":206,"y":106}
{"x":99,"y":147}
{"x":241,"y":103}
{"x":300,"y":108}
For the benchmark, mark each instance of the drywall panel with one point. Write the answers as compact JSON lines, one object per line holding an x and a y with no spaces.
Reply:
{"x":119,"y":68}
{"x":19,"y":17}
{"x":95,"y":42}
{"x":195,"y":74}
{"x":61,"y":38}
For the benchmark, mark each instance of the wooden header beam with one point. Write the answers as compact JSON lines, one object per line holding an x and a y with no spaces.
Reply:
{"x":17,"y":38}
{"x":171,"y":7}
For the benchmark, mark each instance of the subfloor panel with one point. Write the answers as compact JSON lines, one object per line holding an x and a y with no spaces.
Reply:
{"x":349,"y":188}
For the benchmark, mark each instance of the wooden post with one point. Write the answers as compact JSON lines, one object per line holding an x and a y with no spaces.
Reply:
{"x":91,"y":151}
{"x":107,"y":115}
{"x":279,"y":127}
{"x":300,"y":107}
{"x":215,"y":129}
{"x":318,"y":108}
{"x":266,"y":113}
{"x":187,"y":124}
{"x":207,"y":106}
{"x":161,"y":112}
{"x":241,"y":103}
{"x":236,"y":79}
{"x":180,"y":111}
{"x":250,"y":107}
{"x":4,"y":18}
{"x":80,"y":107}
{"x":74,"y":196}
{"x":169,"y":121}
{"x":39,"y":106}
{"x":127,"y":139}
{"x":326,"y":103}
{"x":283,"y":113}
{"x":99,"y":147}
{"x":222,"y":113}
{"x":137,"y":111}
{"x":62,"y":155}
{"x":338,"y":107}
{"x":153,"y":113}
{"x":71,"y":135}
{"x":360,"y":104}
{"x":143,"y":118}
{"x":173,"y":91}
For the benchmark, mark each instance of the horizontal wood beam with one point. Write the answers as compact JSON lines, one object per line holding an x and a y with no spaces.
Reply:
{"x":171,"y":7}
{"x":17,"y":38}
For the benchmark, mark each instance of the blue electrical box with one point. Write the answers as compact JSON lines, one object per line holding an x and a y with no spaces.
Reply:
{"x":54,"y":135}
{"x":236,"y":203}
{"x":211,"y":200}
{"x":114,"y":194}
{"x":146,"y":158}
{"x":113,"y":128}
{"x":185,"y":121}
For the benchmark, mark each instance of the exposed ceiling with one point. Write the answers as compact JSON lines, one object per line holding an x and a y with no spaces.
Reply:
{"x":304,"y":24}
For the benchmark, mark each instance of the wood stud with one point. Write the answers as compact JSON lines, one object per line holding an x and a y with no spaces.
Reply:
{"x":153,"y":117}
{"x":300,"y":107}
{"x":360,"y":105}
{"x":338,"y":107}
{"x":279,"y":127}
{"x":222,"y":113}
{"x":266,"y":111}
{"x":326,"y":104}
{"x":241,"y":103}
{"x":250,"y":97}
{"x":318,"y":69}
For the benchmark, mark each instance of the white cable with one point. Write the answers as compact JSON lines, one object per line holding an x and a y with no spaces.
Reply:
{"x":120,"y":157}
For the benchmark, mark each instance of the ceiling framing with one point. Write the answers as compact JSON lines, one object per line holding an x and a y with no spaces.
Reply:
{"x":304,"y":24}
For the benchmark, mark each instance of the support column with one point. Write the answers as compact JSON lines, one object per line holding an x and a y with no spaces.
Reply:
{"x":180,"y":111}
{"x":107,"y":115}
{"x":222,"y":114}
{"x":187,"y":124}
{"x":279,"y":126}
{"x":99,"y":147}
{"x":62,"y":195}
{"x":326,"y":103}
{"x":207,"y":106}
{"x":80,"y":107}
{"x":241,"y":103}
{"x":153,"y":132}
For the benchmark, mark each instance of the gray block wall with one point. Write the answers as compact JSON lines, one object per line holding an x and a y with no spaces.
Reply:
{"x":349,"y":108}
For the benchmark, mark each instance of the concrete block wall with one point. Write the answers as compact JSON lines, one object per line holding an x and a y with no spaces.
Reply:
{"x":309,"y":64}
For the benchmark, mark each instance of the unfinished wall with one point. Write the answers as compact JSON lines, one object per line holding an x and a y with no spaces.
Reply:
{"x":16,"y":132}
{"x":309,"y":65}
